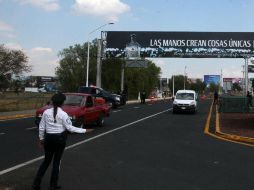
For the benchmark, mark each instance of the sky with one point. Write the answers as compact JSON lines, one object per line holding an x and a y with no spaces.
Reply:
{"x":42,"y":28}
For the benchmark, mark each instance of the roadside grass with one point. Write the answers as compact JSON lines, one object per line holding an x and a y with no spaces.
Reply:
{"x":10,"y":101}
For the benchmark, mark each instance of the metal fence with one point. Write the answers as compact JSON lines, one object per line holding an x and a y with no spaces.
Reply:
{"x":234,"y":104}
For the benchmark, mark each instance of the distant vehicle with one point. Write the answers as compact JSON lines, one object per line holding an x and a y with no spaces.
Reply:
{"x":48,"y":87}
{"x":82,"y":109}
{"x":185,"y":101}
{"x":115,"y":99}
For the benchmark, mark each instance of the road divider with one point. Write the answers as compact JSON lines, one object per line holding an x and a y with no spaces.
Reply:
{"x":227,"y":135}
{"x":224,"y":136}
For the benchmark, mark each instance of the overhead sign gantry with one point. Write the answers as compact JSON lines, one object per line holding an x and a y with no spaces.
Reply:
{"x":126,"y":44}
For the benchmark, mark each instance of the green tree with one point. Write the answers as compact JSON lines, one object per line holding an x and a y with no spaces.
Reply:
{"x":72,"y":66}
{"x":199,"y":86}
{"x":213,"y":87}
{"x":111,"y":74}
{"x":178,"y":83}
{"x":12,"y":62}
{"x":72,"y":72}
{"x":139,"y":79}
{"x":236,"y":86}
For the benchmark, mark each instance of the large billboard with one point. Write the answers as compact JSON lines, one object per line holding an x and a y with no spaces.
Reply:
{"x":138,"y":44}
{"x":208,"y":79}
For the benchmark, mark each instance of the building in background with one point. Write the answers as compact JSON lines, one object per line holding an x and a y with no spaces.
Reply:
{"x":228,"y":83}
{"x":41,"y":84}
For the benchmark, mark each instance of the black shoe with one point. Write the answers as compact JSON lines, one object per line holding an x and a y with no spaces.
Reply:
{"x":55,"y":187}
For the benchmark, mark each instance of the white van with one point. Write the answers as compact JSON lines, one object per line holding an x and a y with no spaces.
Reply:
{"x":185,"y":100}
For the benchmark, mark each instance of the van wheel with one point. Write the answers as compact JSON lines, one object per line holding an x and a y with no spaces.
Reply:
{"x":101,"y":120}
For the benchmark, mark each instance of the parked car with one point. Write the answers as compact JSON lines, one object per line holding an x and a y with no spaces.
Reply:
{"x":115,"y":99}
{"x":185,"y":101}
{"x":82,"y":109}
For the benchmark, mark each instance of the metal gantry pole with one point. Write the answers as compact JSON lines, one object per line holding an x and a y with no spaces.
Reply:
{"x":87,"y":63}
{"x":122,"y":76}
{"x":246,"y":76}
{"x":98,"y":75}
{"x":173,"y":85}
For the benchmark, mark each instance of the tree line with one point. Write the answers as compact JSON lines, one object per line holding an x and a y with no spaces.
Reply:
{"x":72,"y":66}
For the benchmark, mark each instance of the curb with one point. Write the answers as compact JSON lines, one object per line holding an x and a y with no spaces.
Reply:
{"x":227,"y":135}
{"x":3,"y":118}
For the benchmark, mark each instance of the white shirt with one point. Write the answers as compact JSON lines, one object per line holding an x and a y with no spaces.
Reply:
{"x":63,"y":122}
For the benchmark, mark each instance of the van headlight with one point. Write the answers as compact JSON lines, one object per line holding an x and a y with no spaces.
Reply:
{"x":192,"y":103}
{"x":175,"y":102}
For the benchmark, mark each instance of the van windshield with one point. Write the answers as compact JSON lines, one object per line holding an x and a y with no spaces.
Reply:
{"x":185,"y":96}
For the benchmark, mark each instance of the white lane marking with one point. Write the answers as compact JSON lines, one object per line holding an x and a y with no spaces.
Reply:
{"x":31,"y":128}
{"x":136,"y":107}
{"x":2,"y":133}
{"x":81,"y":142}
{"x":116,"y":111}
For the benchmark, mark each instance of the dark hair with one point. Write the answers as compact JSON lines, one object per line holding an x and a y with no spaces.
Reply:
{"x":57,"y":100}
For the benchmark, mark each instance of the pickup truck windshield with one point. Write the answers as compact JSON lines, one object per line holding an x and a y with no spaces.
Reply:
{"x":73,"y":100}
{"x":185,"y":96}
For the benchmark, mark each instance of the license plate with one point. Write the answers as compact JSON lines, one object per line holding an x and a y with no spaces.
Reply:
{"x":183,"y":108}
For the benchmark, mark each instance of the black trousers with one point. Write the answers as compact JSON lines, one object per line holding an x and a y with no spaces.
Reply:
{"x":54,"y":145}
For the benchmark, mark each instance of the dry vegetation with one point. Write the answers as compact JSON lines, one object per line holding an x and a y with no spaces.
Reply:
{"x":10,"y":101}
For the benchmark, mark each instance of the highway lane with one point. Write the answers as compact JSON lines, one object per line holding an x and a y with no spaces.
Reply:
{"x":166,"y":151}
{"x":18,"y":142}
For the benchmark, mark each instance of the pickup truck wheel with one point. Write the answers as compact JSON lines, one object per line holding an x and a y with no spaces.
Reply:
{"x":100,"y":121}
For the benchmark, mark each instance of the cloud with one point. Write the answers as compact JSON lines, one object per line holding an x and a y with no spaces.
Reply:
{"x":107,"y":9}
{"x":41,"y":50}
{"x":14,"y":46}
{"x":5,"y":27}
{"x":43,"y":60}
{"x":47,"y":5}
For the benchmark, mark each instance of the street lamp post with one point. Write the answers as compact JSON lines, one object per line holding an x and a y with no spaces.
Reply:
{"x":88,"y":48}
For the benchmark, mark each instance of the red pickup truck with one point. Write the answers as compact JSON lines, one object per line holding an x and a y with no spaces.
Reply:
{"x":82,"y":109}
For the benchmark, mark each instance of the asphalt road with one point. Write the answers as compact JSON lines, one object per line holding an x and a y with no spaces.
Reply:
{"x":141,"y":147}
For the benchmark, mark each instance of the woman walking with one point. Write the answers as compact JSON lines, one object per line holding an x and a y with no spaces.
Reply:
{"x":52,"y":136}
